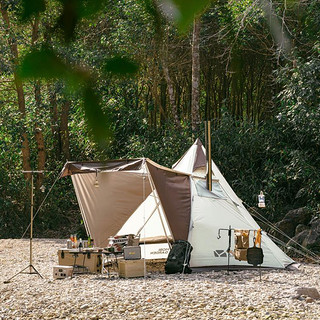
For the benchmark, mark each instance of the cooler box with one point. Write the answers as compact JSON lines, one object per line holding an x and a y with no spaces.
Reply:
{"x":132,"y":253}
{"x":88,"y":259}
{"x":62,"y":272}
{"x":131,"y":268}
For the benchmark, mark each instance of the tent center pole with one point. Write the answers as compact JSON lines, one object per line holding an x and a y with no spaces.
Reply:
{"x":208,"y":155}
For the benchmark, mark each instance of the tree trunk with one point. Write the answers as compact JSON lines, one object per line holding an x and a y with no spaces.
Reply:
{"x":163,"y":101}
{"x":195,"y":96}
{"x":54,"y":121}
{"x":20,"y":92}
{"x":172,"y":100}
{"x":64,"y":131}
{"x":41,"y":150}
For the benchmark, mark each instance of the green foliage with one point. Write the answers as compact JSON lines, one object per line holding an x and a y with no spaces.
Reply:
{"x":122,"y":104}
{"x":45,"y":64}
{"x":73,"y":11}
{"x":121,"y":66}
{"x":301,"y":100}
{"x":32,"y":8}
{"x":97,"y":120}
{"x":187,"y":11}
{"x":299,"y":118}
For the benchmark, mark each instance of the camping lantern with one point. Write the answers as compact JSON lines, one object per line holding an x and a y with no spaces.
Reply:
{"x":261,"y":200}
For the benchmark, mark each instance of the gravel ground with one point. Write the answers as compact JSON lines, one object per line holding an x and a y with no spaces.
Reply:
{"x":207,"y":295}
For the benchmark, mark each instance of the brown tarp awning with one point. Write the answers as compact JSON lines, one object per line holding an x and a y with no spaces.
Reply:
{"x":106,"y":208}
{"x":71,"y":168}
{"x":123,"y":186}
{"x":174,"y":192}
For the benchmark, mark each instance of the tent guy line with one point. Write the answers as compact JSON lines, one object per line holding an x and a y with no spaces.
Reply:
{"x":312,"y":256}
{"x":43,"y":201}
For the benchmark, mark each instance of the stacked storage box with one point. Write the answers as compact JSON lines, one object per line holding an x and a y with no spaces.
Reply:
{"x":132,"y":266}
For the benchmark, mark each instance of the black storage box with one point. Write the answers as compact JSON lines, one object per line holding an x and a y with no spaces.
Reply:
{"x":132,"y":253}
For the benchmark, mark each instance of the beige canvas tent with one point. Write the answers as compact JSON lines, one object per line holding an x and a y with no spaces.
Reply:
{"x":141,"y":197}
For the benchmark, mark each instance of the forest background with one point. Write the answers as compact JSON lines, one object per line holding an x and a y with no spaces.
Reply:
{"x":95,"y":80}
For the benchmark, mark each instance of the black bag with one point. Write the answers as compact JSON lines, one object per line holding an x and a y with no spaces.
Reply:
{"x":179,"y":258}
{"x":255,"y":256}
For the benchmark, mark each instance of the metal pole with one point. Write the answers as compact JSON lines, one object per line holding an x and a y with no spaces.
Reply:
{"x":208,"y":154}
{"x":229,"y":247}
{"x":31,"y":222}
{"x":32,"y":269}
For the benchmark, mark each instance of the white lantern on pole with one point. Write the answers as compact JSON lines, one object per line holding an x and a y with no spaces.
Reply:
{"x":261,"y":200}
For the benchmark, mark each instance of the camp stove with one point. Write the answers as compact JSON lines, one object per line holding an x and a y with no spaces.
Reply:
{"x":117,"y":243}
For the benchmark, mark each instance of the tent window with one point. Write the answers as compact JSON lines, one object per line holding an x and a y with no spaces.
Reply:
{"x":216,"y":193}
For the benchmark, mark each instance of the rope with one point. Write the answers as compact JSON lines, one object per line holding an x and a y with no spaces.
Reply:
{"x":43,"y":201}
{"x":267,"y":222}
{"x":285,"y":245}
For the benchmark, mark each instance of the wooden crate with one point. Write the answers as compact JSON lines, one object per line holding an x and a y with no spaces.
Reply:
{"x":131,"y":268}
{"x":89,"y":259}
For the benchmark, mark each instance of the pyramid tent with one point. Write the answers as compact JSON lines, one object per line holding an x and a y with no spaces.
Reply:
{"x":138,"y":196}
{"x":220,"y":208}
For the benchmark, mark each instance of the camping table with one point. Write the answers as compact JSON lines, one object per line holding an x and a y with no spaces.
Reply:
{"x":111,"y":262}
{"x":84,"y":252}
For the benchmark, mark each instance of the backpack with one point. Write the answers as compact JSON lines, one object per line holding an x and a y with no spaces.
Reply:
{"x":179,"y":258}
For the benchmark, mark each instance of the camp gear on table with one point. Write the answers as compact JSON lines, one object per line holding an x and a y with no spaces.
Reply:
{"x":117,"y":243}
{"x":179,"y":258}
{"x":88,"y":260}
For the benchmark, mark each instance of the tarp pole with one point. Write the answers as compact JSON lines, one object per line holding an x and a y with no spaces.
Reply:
{"x":73,"y":177}
{"x":154,"y":210}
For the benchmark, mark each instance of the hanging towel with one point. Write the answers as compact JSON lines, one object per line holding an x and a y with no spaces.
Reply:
{"x":241,"y":238}
{"x":258,"y":239}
